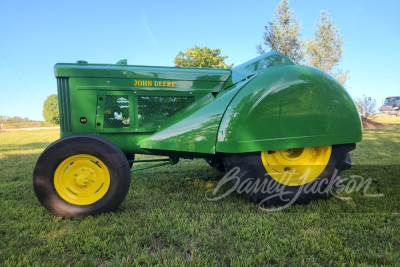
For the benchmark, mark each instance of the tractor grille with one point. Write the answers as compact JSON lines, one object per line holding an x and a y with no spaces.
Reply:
{"x":116,"y":113}
{"x":64,"y":104}
{"x":153,"y":110}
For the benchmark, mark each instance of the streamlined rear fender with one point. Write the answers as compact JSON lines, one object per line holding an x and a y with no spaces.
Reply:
{"x":289,"y":107}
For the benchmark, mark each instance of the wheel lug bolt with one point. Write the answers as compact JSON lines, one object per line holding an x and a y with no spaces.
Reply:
{"x":85,"y":177}
{"x":81,"y":186}
{"x":91,"y":172}
{"x":76,"y":174}
{"x":83,"y":169}
{"x":75,"y":179}
{"x":92,"y":181}
{"x":85,"y":185}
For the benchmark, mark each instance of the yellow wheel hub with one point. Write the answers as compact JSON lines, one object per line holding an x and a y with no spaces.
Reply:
{"x":296,"y":166}
{"x":82,"y":179}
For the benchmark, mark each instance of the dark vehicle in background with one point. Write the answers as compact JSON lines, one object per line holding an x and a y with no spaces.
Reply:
{"x":391,"y":106}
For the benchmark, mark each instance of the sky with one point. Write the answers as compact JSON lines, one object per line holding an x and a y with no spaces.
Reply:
{"x":35,"y":35}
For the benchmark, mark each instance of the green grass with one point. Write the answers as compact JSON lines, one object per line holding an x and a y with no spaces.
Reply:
{"x":391,"y":120}
{"x":166,"y":218}
{"x":28,"y":124}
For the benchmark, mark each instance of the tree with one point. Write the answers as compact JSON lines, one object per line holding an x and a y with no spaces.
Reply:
{"x":50,"y":109}
{"x":359,"y":108}
{"x":202,"y":58}
{"x":4,"y":118}
{"x":366,"y":106}
{"x":283,"y":34}
{"x":16,"y":119}
{"x":324,"y":52}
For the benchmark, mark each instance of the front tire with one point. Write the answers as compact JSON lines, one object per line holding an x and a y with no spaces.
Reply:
{"x":289,"y":176}
{"x":81,"y":175}
{"x":130,"y":156}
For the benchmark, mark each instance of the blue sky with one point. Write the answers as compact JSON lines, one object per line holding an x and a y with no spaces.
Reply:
{"x":34,"y":35}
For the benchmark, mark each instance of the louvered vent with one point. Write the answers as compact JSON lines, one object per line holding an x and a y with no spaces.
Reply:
{"x":64,"y":104}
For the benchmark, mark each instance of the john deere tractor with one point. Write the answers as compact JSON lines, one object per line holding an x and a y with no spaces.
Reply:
{"x":266,"y":119}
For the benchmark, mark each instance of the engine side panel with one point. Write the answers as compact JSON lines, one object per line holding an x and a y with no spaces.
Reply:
{"x":194,"y":129}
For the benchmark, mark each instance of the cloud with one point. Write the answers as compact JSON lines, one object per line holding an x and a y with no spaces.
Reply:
{"x":148,"y":30}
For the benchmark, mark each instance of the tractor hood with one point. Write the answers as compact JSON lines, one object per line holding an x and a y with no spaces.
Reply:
{"x":215,"y":78}
{"x":124,"y":71}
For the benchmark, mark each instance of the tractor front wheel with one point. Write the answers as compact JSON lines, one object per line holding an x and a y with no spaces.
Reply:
{"x":130,"y":157}
{"x":81,"y":175}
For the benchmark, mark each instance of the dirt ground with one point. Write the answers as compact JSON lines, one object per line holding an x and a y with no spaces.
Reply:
{"x":369,"y":124}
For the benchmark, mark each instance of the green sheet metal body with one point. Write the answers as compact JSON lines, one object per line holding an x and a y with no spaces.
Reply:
{"x":289,"y":107}
{"x":265,"y":103}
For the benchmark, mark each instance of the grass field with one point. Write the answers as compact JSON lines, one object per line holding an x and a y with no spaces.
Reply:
{"x":387,"y":119}
{"x":166,"y":218}
{"x":28,"y":124}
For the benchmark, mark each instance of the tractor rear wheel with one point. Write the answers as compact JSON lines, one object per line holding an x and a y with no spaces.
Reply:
{"x":217,"y":164}
{"x":81,"y":175}
{"x":288,"y":176}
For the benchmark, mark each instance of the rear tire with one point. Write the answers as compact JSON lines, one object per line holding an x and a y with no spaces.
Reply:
{"x":217,"y":164}
{"x":260,"y":185}
{"x":81,"y":175}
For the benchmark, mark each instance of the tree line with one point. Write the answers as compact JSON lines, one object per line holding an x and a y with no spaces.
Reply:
{"x":283,"y":34}
{"x":50,"y":112}
{"x":15,"y":119}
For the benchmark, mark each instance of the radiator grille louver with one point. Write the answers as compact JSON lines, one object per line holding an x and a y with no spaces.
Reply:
{"x":116,"y":114}
{"x":153,"y":110}
{"x":64,"y":104}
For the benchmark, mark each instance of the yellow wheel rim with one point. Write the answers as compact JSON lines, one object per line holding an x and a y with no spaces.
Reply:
{"x":82,"y":179}
{"x":296,"y":166}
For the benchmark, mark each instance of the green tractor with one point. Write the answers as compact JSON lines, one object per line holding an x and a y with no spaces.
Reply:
{"x":267,"y":119}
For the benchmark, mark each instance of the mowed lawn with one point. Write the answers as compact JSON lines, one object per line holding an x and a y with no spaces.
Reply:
{"x":390,"y":120}
{"x":166,"y":218}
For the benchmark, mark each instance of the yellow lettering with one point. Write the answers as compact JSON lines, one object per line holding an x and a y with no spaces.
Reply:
{"x":156,"y":83}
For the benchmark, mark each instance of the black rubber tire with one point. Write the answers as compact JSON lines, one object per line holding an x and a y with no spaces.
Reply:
{"x":130,"y":156}
{"x":251,"y":168}
{"x":217,"y":164}
{"x":104,"y":150}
